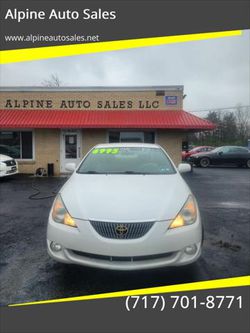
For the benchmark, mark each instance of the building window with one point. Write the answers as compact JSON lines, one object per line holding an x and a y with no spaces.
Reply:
{"x":17,"y":144}
{"x":131,"y":136}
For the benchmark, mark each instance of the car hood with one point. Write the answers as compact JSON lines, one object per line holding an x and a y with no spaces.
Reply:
{"x":5,"y":157}
{"x":124,"y":197}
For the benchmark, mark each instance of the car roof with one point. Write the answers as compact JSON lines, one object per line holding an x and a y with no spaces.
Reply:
{"x":233,"y":147}
{"x":201,"y":147}
{"x":127,"y":145}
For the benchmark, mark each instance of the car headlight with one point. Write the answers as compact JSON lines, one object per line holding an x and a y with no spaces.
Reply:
{"x":187,"y":214}
{"x":60,"y":213}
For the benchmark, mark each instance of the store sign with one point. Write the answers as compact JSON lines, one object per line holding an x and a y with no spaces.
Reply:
{"x":80,"y":104}
{"x":170,"y":100}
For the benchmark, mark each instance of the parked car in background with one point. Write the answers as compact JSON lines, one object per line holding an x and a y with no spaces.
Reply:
{"x":125,"y":207}
{"x":8,"y":166}
{"x":239,"y":156}
{"x":196,"y":150}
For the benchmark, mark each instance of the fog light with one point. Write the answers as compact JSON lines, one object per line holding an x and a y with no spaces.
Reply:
{"x":191,"y":249}
{"x":55,"y":247}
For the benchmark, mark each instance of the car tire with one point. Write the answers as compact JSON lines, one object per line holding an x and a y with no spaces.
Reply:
{"x":248,"y":164}
{"x":204,"y":162}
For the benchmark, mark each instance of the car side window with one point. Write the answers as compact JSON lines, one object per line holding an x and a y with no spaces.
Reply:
{"x":238,"y":150}
{"x":224,"y":150}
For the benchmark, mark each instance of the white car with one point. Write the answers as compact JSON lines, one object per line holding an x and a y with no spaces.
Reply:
{"x":125,"y":207}
{"x":8,"y":166}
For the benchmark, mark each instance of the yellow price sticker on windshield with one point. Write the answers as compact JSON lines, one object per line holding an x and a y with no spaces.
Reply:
{"x":101,"y":151}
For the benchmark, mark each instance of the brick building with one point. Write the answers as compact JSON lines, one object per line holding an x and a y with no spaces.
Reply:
{"x":42,"y":125}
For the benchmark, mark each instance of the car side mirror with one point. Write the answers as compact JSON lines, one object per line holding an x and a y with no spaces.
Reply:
{"x":220,"y":153}
{"x":70,"y":167}
{"x":184,"y":167}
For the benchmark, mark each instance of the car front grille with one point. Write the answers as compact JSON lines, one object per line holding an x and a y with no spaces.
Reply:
{"x":121,"y":230}
{"x":10,"y":162}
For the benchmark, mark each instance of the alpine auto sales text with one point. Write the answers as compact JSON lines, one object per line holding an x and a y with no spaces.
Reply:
{"x":85,"y":14}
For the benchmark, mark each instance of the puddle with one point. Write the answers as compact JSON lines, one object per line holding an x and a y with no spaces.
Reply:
{"x":227,"y":245}
{"x":229,"y":204}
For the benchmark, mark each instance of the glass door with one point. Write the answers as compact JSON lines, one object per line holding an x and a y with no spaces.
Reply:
{"x":70,"y":148}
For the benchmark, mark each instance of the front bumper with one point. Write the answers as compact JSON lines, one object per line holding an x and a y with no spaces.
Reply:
{"x":160,"y":247}
{"x":8,"y":170}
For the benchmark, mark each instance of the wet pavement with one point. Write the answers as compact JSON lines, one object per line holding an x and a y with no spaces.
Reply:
{"x":27,"y":273}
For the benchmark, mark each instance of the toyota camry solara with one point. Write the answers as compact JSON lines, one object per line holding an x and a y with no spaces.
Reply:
{"x":125,"y":207}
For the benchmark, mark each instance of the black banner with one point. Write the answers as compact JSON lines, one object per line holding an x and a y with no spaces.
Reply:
{"x":219,"y":310}
{"x":30,"y":24}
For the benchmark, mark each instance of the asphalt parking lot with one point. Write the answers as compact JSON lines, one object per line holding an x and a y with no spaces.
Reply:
{"x":27,"y":273}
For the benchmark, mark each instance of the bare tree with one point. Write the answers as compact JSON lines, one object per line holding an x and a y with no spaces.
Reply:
{"x":243,"y":122}
{"x":53,"y":81}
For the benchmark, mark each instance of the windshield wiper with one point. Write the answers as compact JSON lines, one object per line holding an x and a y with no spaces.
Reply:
{"x":133,"y":172}
{"x":113,"y":173}
{"x":91,"y":172}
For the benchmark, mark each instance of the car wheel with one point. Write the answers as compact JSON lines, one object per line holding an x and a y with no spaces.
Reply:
{"x":204,"y":162}
{"x":248,"y":164}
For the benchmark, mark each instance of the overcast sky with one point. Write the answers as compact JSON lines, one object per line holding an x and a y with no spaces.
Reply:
{"x":215,"y":73}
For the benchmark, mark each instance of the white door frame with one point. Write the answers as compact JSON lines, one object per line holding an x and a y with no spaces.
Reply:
{"x":63,"y":159}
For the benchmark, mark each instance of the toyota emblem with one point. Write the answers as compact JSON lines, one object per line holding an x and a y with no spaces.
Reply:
{"x":121,"y":230}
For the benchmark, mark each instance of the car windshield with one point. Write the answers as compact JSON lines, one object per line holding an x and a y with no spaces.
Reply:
{"x":224,"y":149}
{"x":216,"y":150}
{"x":126,"y":160}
